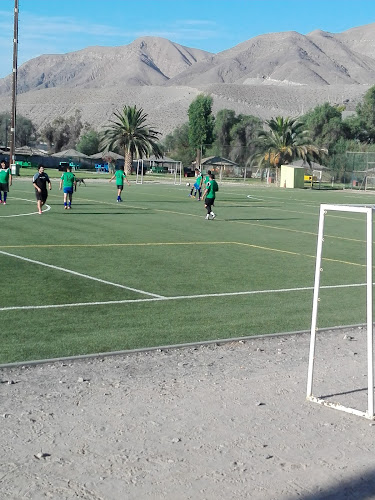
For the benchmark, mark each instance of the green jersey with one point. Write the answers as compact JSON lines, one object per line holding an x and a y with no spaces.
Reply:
{"x":212,"y":187}
{"x":206,"y":180}
{"x":120,"y":176}
{"x":198,"y":181}
{"x":68,"y":179}
{"x":4,"y":175}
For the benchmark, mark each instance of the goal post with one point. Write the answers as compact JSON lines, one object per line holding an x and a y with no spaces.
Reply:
{"x":368,"y":210}
{"x":178,"y":173}
{"x":140,"y":171}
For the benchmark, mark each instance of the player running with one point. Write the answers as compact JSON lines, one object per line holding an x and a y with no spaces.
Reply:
{"x":119,"y":176}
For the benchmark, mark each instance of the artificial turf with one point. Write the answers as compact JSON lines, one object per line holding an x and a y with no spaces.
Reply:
{"x":163,"y":274}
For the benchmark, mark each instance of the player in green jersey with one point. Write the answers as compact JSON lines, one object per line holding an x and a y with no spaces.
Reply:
{"x":5,"y":181}
{"x":197,"y":185}
{"x":68,"y":182}
{"x":209,"y":196}
{"x":207,"y":178}
{"x":120,"y":176}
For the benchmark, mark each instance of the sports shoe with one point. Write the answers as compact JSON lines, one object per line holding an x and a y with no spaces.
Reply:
{"x":0,"y":201}
{"x":207,"y":217}
{"x":40,"y":212}
{"x":212,"y":215}
{"x":65,"y":207}
{"x":4,"y":202}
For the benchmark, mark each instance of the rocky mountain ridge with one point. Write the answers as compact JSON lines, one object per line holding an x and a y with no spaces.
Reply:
{"x":275,"y":73}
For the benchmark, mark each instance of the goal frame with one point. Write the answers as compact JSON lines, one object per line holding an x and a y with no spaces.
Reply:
{"x":368,"y":210}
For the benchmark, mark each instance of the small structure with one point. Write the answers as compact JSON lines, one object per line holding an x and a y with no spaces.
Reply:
{"x":292,"y":176}
{"x":219,"y":164}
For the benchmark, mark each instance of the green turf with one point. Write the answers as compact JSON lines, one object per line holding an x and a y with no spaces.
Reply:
{"x":164,"y":262}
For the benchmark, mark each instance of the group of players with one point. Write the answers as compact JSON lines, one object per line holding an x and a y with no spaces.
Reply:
{"x":68,"y":183}
{"x":40,"y":182}
{"x":209,"y":193}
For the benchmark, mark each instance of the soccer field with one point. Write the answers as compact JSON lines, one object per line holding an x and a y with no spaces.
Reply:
{"x":151,"y":271}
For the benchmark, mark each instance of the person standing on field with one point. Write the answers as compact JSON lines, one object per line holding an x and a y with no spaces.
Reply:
{"x":197,"y":185}
{"x":40,"y":181}
{"x":209,"y":196}
{"x":120,"y":176}
{"x":5,"y":181}
{"x":68,"y":182}
{"x":207,"y":178}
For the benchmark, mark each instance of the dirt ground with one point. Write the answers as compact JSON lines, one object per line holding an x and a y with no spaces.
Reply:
{"x":213,"y":422}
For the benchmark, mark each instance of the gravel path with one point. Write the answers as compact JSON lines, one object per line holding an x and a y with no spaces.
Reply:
{"x":214,"y":422}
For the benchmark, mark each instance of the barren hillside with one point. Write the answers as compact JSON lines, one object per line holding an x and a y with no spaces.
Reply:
{"x":277,"y":73}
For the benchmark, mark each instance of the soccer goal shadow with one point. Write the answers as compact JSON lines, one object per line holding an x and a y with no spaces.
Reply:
{"x":354,"y":391}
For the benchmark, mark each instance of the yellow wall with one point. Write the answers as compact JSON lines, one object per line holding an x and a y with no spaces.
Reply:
{"x":291,"y":176}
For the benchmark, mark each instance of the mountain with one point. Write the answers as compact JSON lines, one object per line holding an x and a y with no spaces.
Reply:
{"x":146,"y":61}
{"x":277,"y":73}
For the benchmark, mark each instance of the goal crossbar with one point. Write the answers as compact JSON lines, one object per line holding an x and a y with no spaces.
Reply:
{"x":368,"y":210}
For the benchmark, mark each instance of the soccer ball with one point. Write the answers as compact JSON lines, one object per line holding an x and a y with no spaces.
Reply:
{"x":188,"y":183}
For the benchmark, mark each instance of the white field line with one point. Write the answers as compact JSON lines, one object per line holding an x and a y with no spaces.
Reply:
{"x":47,"y":207}
{"x":178,"y":297}
{"x":69,"y":271}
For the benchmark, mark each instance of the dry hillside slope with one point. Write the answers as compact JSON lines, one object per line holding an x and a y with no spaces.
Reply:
{"x":277,"y":73}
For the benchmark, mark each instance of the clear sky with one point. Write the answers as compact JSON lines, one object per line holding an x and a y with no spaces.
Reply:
{"x":61,"y":26}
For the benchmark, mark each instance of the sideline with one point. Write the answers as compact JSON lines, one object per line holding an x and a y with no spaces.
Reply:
{"x":203,"y":343}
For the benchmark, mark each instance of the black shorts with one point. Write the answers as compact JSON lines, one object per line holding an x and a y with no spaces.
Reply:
{"x":4,"y":186}
{"x":209,"y":202}
{"x":42,"y":196}
{"x":120,"y":187}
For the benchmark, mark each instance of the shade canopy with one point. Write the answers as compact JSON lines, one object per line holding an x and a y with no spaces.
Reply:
{"x":29,"y":151}
{"x":218,"y":161}
{"x":104,"y":154}
{"x":70,"y":153}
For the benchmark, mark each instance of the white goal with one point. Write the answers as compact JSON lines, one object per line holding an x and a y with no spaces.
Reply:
{"x":368,"y":210}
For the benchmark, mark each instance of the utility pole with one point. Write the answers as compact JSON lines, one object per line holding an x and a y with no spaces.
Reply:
{"x":14,"y":87}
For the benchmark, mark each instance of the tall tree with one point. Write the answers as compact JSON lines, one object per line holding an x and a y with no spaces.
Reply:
{"x":201,"y":125}
{"x":89,"y":142}
{"x":129,"y":132}
{"x":178,"y":146}
{"x":25,"y":130}
{"x":63,"y":133}
{"x":366,"y":113}
{"x":225,"y":120}
{"x":325,"y":125}
{"x":245,"y":140}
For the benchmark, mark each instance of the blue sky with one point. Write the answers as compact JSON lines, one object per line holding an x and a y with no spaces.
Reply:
{"x":60,"y":26}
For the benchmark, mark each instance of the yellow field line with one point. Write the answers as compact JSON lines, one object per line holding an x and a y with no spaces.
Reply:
{"x":121,"y":244}
{"x":251,"y":245}
{"x":299,"y":254}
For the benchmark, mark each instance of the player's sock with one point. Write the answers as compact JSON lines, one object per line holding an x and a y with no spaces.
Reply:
{"x":5,"y":196}
{"x":65,"y":204}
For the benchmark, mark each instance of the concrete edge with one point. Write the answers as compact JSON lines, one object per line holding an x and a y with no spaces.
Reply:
{"x":217,"y":342}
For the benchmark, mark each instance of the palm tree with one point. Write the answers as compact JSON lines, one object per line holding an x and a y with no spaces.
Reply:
{"x":129,"y":132}
{"x":285,"y":141}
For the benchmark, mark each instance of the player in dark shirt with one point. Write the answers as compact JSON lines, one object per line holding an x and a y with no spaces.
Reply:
{"x":40,"y":181}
